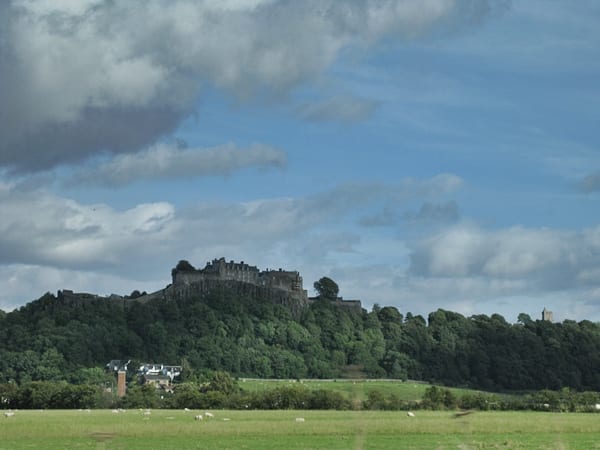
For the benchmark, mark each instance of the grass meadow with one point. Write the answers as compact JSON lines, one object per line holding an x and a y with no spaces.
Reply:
{"x":352,"y":389}
{"x":177,"y":429}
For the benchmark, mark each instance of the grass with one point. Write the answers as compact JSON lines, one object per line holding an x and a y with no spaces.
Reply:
{"x":352,"y":389}
{"x":166,"y":429}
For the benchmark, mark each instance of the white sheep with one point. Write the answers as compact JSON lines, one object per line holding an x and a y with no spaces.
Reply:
{"x":208,"y":415}
{"x":198,"y":417}
{"x":9,"y":414}
{"x":410,"y":414}
{"x":299,"y":419}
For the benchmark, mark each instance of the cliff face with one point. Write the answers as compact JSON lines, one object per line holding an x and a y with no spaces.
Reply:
{"x":291,"y":300}
{"x":276,"y":286}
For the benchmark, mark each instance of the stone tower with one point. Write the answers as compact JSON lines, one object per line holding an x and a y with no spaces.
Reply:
{"x":547,"y":315}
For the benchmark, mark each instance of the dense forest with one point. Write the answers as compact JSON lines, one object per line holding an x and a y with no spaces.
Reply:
{"x":54,"y":339}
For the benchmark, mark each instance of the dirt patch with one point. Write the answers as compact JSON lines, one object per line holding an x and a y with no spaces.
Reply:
{"x":103,"y":437}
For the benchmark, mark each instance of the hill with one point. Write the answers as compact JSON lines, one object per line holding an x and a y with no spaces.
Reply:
{"x":254,"y":330}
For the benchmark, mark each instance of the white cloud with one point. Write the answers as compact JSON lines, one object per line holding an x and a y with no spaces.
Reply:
{"x":435,"y":212}
{"x":384,"y":218}
{"x":59,"y":235}
{"x":64,"y":7}
{"x":542,"y":259}
{"x":163,"y":161}
{"x":39,"y":228}
{"x":78,"y":78}
{"x":340,"y":108}
{"x":591,"y":182}
{"x":49,"y":243}
{"x":21,"y":283}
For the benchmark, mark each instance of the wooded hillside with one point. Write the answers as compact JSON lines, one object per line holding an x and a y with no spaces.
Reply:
{"x":55,"y":339}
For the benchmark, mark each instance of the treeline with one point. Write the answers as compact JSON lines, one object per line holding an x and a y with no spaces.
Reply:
{"x":220,"y":391}
{"x":439,"y":398}
{"x":58,"y":339}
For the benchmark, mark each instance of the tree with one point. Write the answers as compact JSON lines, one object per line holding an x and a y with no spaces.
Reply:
{"x":184,"y":265}
{"x":91,"y":375}
{"x":221,"y":381}
{"x":524,"y":319}
{"x":141,"y":396}
{"x":327,"y":288}
{"x":439,"y":398}
{"x":187,"y":395}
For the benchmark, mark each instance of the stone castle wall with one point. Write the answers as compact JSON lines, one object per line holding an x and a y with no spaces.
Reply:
{"x":294,"y":301}
{"x":276,"y":286}
{"x":220,"y":270}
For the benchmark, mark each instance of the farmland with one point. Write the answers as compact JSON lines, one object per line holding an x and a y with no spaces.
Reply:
{"x":352,"y":389}
{"x":161,"y":429}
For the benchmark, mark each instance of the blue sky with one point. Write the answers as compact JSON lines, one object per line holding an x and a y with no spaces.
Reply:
{"x":422,"y":153}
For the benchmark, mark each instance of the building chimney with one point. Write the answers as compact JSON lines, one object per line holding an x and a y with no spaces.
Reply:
{"x":121,"y":383}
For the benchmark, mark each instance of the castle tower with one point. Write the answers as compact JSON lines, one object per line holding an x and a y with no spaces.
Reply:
{"x":121,"y":383}
{"x":547,"y":315}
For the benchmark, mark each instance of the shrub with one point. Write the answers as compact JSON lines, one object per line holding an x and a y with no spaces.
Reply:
{"x":439,"y":398}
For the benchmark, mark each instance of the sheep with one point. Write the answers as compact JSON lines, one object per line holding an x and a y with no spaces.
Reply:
{"x":198,"y":417}
{"x":299,"y":419}
{"x":410,"y":414}
{"x":147,"y":413}
{"x":208,"y":415}
{"x":9,"y":414}
{"x":597,"y":406}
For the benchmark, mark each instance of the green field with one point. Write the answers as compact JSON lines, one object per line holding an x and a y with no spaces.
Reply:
{"x":352,"y":389}
{"x":177,"y":429}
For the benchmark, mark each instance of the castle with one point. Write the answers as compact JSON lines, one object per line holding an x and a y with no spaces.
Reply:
{"x":279,"y":286}
{"x":219,"y":270}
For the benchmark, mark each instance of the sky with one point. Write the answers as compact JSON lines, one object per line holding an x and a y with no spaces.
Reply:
{"x":423,"y":154}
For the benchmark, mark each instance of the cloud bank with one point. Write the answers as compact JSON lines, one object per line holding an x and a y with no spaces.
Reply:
{"x":535,"y":260}
{"x":60,"y":235}
{"x":166,"y":162}
{"x":462,"y":267}
{"x":39,"y":228}
{"x":79,"y":78}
